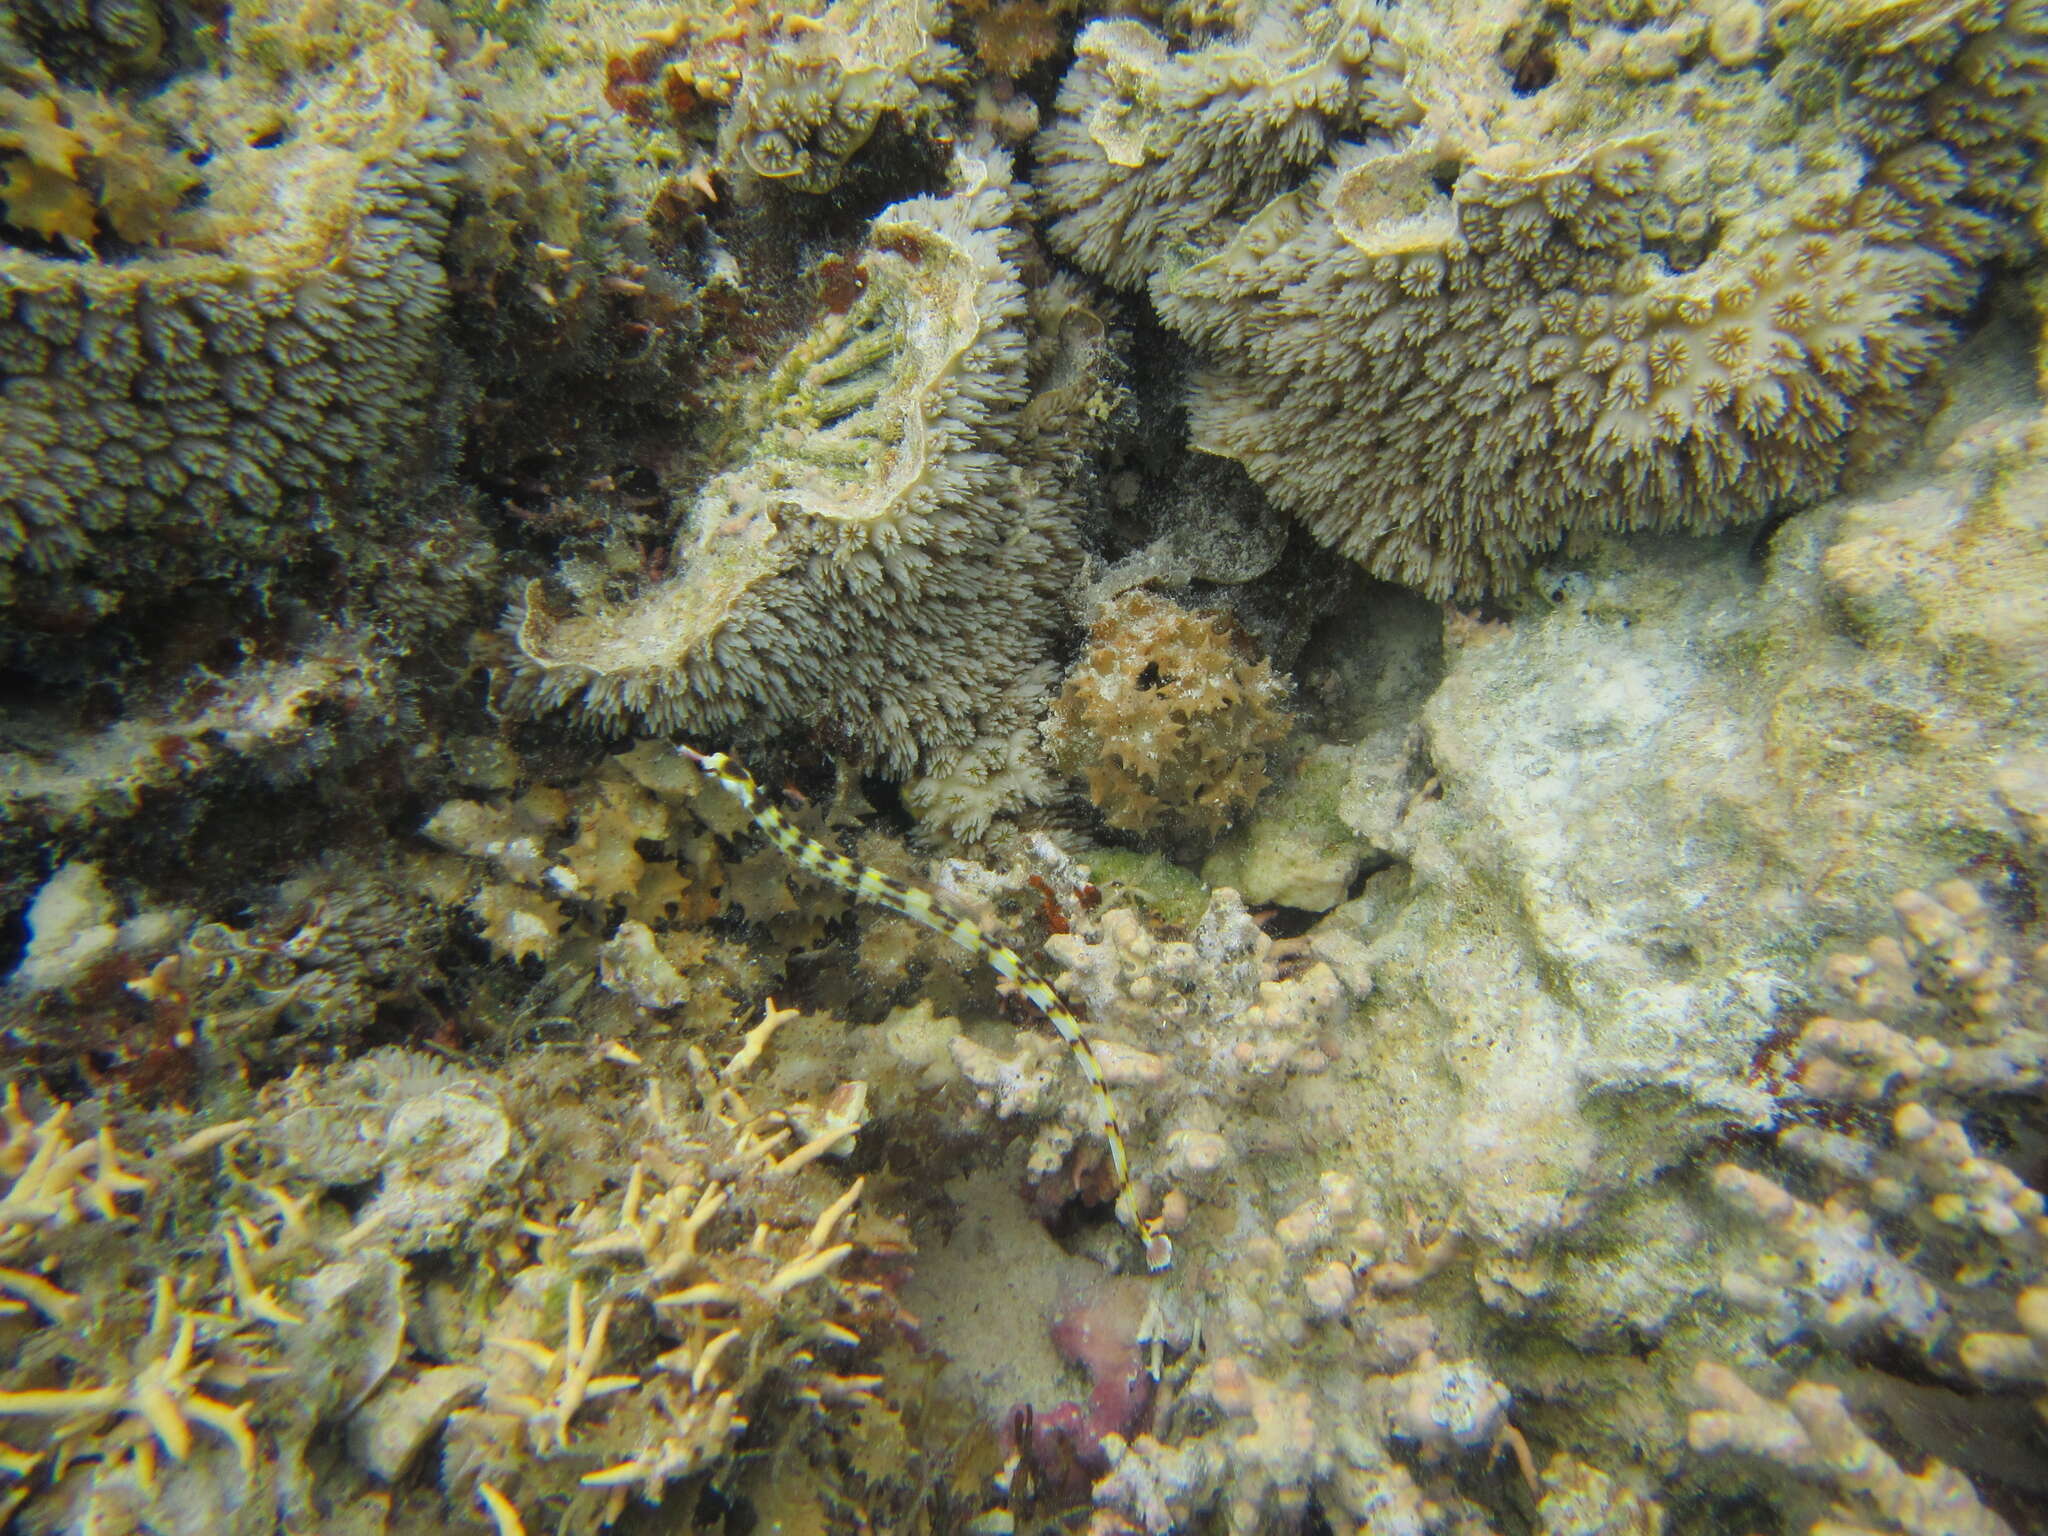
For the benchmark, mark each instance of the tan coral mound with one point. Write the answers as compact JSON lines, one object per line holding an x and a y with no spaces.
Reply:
{"x":1169,"y":715}
{"x":1151,"y":145}
{"x":895,"y":546}
{"x":205,"y":402}
{"x":1616,"y":272}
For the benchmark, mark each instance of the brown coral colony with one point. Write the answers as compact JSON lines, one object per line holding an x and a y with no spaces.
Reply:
{"x":1401,"y":641}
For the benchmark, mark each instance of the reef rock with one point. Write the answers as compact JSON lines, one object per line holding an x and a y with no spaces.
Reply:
{"x":1641,"y":814}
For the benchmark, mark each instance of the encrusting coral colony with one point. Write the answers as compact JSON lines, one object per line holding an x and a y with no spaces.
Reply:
{"x":1397,"y":647}
{"x":1463,"y":271}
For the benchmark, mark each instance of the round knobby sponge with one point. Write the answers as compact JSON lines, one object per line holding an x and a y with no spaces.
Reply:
{"x":1169,"y":715}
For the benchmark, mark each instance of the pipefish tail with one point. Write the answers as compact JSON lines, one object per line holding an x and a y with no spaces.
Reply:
{"x":922,"y":906}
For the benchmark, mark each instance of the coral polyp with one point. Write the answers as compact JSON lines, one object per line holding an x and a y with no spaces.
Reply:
{"x":888,"y":478}
{"x":1168,"y":715}
{"x":1449,"y":317}
{"x":255,"y":341}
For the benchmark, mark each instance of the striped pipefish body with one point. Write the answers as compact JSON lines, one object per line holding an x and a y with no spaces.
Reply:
{"x":922,"y":906}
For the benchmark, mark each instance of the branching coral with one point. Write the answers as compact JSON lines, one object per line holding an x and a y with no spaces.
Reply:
{"x":1270,"y":1445}
{"x":56,"y":1182}
{"x":188,"y":1356}
{"x":1169,"y":715}
{"x":154,"y":1406}
{"x":1834,"y":1268}
{"x":633,"y":1352}
{"x":1923,"y":1238}
{"x":1812,"y":1434}
{"x":110,"y":1389}
{"x":1631,"y":274}
{"x":536,"y":1260}
{"x":184,"y":407}
{"x":893,"y":481}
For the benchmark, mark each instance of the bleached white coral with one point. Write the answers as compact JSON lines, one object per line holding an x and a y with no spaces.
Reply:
{"x":1923,"y":1234}
{"x":1231,"y":1003}
{"x":1825,"y":1267}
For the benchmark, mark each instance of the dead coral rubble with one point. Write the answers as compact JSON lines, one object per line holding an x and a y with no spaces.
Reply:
{"x":1642,"y":270}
